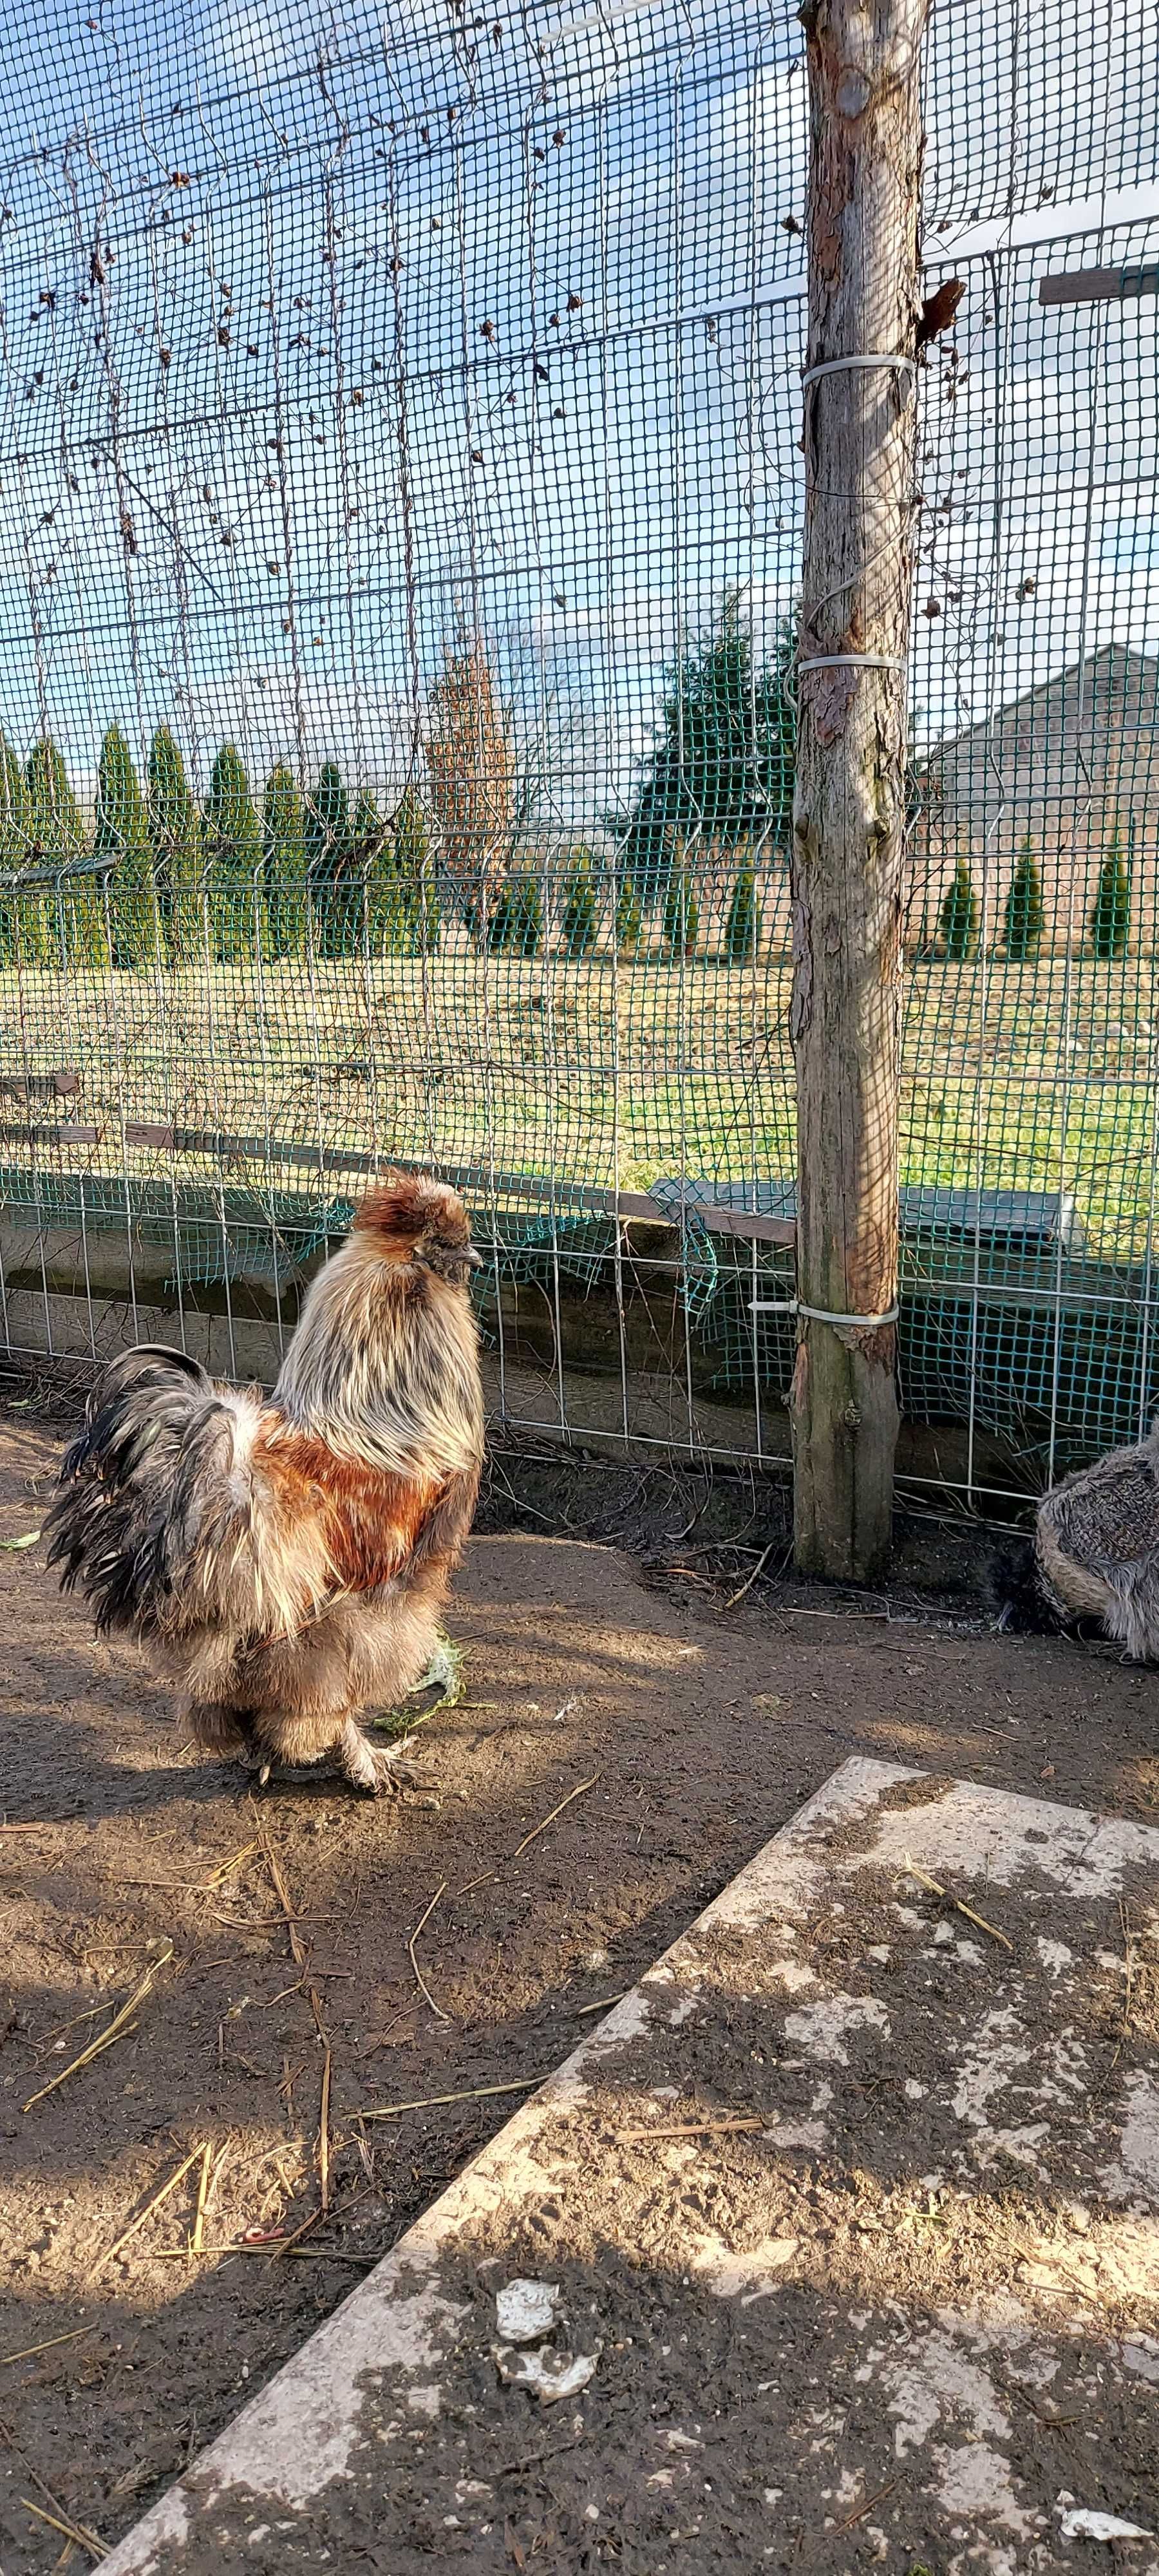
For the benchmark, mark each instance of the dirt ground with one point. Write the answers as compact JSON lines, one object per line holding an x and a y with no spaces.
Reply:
{"x":688,"y":1732}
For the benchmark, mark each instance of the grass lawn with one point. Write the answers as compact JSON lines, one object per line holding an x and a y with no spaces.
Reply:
{"x":1034,"y":1076}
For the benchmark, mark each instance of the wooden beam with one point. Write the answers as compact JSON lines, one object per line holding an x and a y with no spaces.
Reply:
{"x":865,"y":303}
{"x":51,"y":1134}
{"x":1099,"y":285}
{"x":474,"y":1178}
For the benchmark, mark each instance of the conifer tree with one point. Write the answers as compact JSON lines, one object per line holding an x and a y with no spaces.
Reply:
{"x":178,"y":854}
{"x":629,"y":917}
{"x":334,"y":888}
{"x":742,"y":930}
{"x":517,"y":921}
{"x":232,"y":842}
{"x":681,"y":915}
{"x":959,"y":915}
{"x":24,"y":937}
{"x":1111,"y":909}
{"x":284,"y":864}
{"x":724,"y":761}
{"x":471,"y":768}
{"x":1023,"y":924}
{"x":122,"y":833}
{"x":75,"y":905}
{"x":416,"y":915}
{"x":580,"y":906}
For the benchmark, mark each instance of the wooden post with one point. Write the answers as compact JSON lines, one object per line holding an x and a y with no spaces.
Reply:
{"x":864,"y":302}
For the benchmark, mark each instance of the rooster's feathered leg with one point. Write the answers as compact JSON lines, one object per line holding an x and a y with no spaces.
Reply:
{"x":221,"y":1730}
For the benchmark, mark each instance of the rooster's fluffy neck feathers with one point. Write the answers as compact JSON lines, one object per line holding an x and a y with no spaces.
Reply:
{"x":383,"y":1367}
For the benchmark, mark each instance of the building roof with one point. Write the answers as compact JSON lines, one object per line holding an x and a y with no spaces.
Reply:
{"x":1086,"y":736}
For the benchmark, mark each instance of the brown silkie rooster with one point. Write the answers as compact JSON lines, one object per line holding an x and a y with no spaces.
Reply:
{"x":286,"y":1562}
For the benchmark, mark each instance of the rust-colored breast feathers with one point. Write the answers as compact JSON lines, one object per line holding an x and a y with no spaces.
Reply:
{"x":372,"y":1520}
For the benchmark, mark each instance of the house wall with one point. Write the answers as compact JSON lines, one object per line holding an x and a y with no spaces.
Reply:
{"x":1070,"y":768}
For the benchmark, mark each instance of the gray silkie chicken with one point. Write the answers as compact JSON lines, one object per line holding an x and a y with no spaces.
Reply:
{"x":1096,"y":1553}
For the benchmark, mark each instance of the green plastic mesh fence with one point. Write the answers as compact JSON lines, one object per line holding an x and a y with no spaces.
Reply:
{"x":399,"y":461}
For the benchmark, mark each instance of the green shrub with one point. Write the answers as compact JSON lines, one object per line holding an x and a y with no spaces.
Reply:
{"x":581,"y":910}
{"x":629,"y":916}
{"x":284,"y":864}
{"x":23,"y":921}
{"x":1024,"y":908}
{"x":681,"y":915}
{"x":1111,"y":909}
{"x":178,"y":854}
{"x":232,"y":843}
{"x":122,"y":832}
{"x":959,"y":915}
{"x":517,"y":921}
{"x":74,"y":910}
{"x":742,"y":929}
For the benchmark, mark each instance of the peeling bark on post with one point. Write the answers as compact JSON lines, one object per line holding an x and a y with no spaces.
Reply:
{"x":864,"y":300}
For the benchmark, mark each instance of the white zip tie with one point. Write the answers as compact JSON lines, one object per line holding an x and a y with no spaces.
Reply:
{"x":834,"y":366}
{"x":818,"y":1314}
{"x":822,"y":1315}
{"x":860,"y":661}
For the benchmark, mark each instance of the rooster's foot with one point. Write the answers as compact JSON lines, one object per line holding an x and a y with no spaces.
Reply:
{"x":381,"y":1770}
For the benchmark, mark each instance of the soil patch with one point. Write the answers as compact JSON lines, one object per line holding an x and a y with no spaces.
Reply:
{"x":857,"y":2331}
{"x":706,"y":1727}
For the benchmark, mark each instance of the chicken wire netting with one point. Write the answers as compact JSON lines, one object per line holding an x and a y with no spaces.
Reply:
{"x":400,"y":476}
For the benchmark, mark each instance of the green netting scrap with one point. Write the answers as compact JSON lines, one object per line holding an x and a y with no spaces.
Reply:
{"x":218,"y":1235}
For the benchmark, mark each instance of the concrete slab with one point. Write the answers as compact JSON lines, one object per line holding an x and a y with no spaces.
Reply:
{"x":850,"y":2213}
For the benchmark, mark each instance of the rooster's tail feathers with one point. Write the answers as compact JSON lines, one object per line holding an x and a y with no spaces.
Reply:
{"x":138,"y":1397}
{"x":155,"y":1502}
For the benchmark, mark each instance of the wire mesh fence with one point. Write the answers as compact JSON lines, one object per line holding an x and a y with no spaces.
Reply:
{"x":400,"y":478}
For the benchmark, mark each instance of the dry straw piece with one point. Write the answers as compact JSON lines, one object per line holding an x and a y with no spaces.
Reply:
{"x":147,"y":2211}
{"x":420,"y":1980}
{"x":120,"y":2023}
{"x":73,"y":2531}
{"x":437,"y":2101}
{"x":947,"y":1897}
{"x":541,"y":1828}
{"x":28,"y":2349}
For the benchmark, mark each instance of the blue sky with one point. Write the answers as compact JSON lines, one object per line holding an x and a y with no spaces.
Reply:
{"x":391,"y":325}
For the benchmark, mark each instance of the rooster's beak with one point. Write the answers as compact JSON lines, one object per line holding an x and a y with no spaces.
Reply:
{"x":473,"y":1259}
